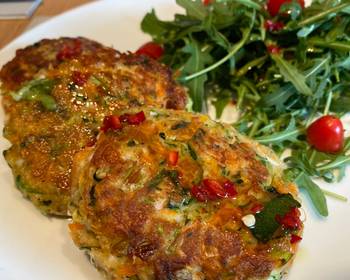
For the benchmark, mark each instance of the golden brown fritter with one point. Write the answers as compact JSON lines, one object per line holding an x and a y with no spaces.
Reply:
{"x":55,"y":95}
{"x":175,"y":195}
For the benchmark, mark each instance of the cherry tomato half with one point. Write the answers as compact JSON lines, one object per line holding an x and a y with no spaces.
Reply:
{"x":273,"y":6}
{"x":207,"y":2}
{"x":151,"y":49}
{"x":326,"y":134}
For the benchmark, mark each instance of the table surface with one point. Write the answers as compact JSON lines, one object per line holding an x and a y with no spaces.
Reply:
{"x":10,"y":29}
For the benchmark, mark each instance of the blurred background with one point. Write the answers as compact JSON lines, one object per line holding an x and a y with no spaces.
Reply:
{"x":13,"y":24}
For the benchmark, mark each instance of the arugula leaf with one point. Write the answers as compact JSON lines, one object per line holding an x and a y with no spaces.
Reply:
{"x":291,"y":74}
{"x":289,"y":134}
{"x":214,"y":34}
{"x":152,"y":25}
{"x":221,"y":102}
{"x":339,"y":161}
{"x":193,"y":8}
{"x":331,"y":12}
{"x":265,"y":221}
{"x":278,"y":97}
{"x":318,"y":199}
{"x":197,"y":61}
{"x":250,"y":4}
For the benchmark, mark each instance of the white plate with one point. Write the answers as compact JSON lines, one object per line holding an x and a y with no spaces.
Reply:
{"x":33,"y":247}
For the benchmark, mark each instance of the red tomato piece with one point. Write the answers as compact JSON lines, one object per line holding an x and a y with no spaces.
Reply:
{"x":290,"y":220}
{"x":295,"y":238}
{"x":214,"y":188}
{"x":207,"y":2}
{"x":272,"y":26}
{"x":69,"y":51}
{"x":273,"y":6}
{"x":326,"y":134}
{"x":256,"y":208}
{"x":230,"y":189}
{"x":111,"y":122}
{"x":199,"y":193}
{"x":273,"y":49}
{"x":79,"y":78}
{"x":151,"y":49}
{"x":133,"y":118}
{"x":173,"y":157}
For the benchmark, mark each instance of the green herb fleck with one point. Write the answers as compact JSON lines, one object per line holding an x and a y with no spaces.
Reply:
{"x":37,"y":90}
{"x":192,"y":152}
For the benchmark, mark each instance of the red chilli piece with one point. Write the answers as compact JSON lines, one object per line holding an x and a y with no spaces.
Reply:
{"x":272,"y":26}
{"x":290,"y":220}
{"x":199,"y":193}
{"x":214,"y":188}
{"x":256,"y":208}
{"x":111,"y":122}
{"x":133,"y":118}
{"x":295,"y":239}
{"x":273,"y":49}
{"x":173,"y":158}
{"x":230,"y":189}
{"x":211,"y":189}
{"x":69,"y":51}
{"x":79,"y":78}
{"x":151,"y":49}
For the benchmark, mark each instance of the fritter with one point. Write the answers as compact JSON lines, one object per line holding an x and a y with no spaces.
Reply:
{"x":55,"y":95}
{"x":174,"y":195}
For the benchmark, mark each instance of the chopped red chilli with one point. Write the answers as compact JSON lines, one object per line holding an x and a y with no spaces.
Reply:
{"x":79,"y":78}
{"x":214,"y":187}
{"x":290,"y":220}
{"x":256,"y":208}
{"x":272,"y":26}
{"x":111,"y":122}
{"x":133,"y":118}
{"x":211,"y":189}
{"x":295,"y":238}
{"x":173,"y":157}
{"x":200,"y":193}
{"x":69,"y":51}
{"x":230,"y":189}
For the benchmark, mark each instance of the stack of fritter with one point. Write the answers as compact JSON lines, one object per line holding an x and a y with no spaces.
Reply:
{"x":55,"y":95}
{"x":154,"y":193}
